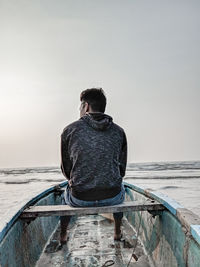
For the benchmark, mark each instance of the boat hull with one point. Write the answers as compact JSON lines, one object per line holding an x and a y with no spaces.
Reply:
{"x":167,"y":237}
{"x":170,"y":237}
{"x":24,"y":241}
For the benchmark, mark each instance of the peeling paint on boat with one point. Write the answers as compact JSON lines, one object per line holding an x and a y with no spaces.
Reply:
{"x":167,"y":238}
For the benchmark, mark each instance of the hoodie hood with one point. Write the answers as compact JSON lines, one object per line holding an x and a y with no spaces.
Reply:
{"x":98,"y":120}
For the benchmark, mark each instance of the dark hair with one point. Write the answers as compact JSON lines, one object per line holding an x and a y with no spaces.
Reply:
{"x":95,"y":98}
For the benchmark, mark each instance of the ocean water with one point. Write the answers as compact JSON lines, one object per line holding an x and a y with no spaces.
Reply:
{"x":178,"y":180}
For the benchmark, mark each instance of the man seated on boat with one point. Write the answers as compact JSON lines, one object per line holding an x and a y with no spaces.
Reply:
{"x":93,"y":159}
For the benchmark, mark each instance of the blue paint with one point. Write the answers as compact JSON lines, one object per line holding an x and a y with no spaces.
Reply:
{"x":193,"y":254}
{"x":129,"y":193}
{"x":176,"y":238}
{"x":195,"y":231}
{"x":31,"y":202}
{"x":169,"y":203}
{"x":136,"y":188}
{"x":174,"y":234}
{"x":24,"y":243}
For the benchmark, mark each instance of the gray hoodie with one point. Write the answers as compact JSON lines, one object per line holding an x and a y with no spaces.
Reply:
{"x":94,"y":156}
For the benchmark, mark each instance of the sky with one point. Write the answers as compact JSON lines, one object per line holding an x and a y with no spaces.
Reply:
{"x":144,"y":54}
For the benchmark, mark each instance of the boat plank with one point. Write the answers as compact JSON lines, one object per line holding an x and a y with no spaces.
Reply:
{"x":64,"y":210}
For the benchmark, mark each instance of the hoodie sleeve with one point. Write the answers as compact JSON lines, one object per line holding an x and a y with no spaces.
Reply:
{"x":123,"y":156}
{"x":65,"y":159}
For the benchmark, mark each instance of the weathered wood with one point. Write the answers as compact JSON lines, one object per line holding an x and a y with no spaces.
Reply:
{"x":62,"y":210}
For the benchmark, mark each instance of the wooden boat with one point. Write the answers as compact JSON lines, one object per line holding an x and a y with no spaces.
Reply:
{"x":168,"y":233}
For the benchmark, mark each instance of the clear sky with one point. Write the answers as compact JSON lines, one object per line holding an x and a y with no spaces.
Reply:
{"x":144,"y":54}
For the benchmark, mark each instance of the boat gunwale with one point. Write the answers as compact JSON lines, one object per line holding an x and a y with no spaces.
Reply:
{"x":186,"y":217}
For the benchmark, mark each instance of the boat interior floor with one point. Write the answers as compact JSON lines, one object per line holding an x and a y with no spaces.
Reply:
{"x":90,"y":242}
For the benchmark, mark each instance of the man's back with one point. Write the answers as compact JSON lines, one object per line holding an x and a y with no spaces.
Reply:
{"x":93,"y":159}
{"x":94,"y":154}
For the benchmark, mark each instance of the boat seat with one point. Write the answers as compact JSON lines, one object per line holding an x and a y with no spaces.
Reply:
{"x":65,"y":210}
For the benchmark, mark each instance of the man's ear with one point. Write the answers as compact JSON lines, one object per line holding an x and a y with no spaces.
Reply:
{"x":86,"y":107}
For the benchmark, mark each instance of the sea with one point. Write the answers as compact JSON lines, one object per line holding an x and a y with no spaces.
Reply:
{"x":179,"y":180}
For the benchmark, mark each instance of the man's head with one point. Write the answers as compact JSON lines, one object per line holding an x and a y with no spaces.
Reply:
{"x":92,"y":100}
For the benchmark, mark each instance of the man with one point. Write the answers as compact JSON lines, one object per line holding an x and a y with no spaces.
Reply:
{"x":93,"y":159}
